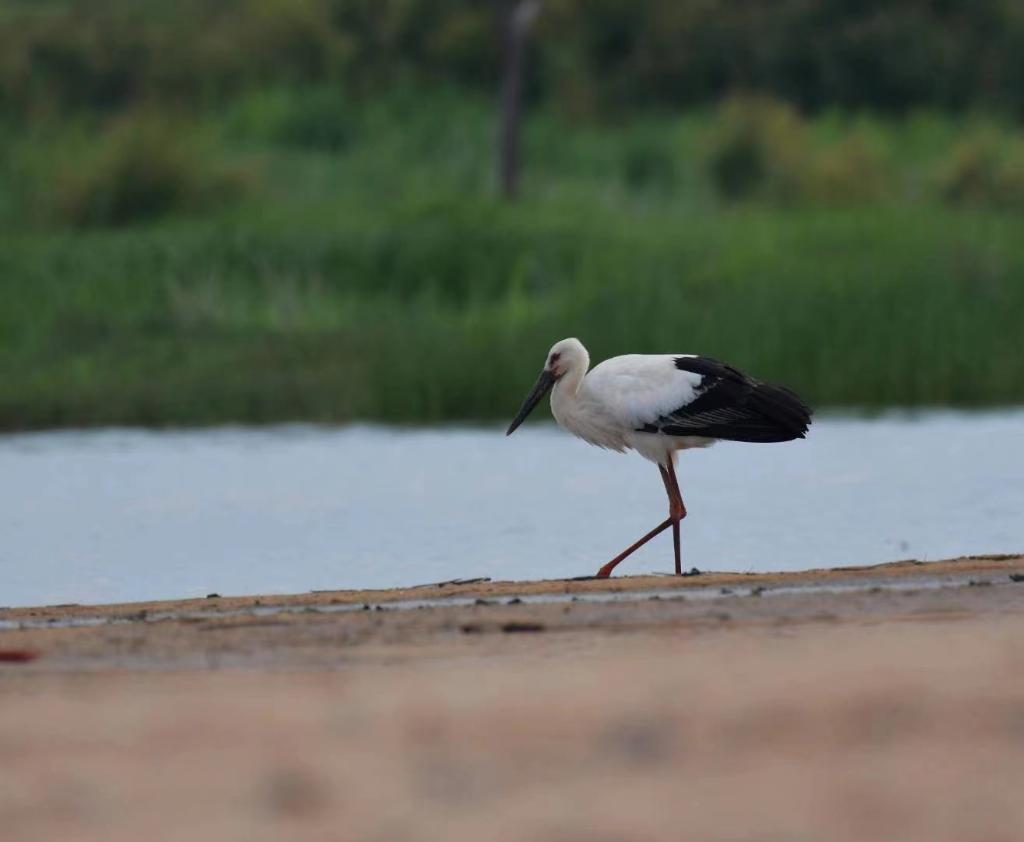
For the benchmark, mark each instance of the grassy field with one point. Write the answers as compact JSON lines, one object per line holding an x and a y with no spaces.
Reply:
{"x":298,"y":256}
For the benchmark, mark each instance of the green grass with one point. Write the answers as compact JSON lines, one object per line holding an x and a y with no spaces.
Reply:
{"x":368,"y":271}
{"x":447,"y":313}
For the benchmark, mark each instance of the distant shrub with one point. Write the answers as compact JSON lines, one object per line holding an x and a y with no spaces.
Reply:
{"x":757,"y":149}
{"x":850,"y":171}
{"x":320,"y":120}
{"x":317,"y":118}
{"x":760,"y":149}
{"x":118,"y":55}
{"x":141,"y":168}
{"x":987,"y":170}
{"x":649,"y":162}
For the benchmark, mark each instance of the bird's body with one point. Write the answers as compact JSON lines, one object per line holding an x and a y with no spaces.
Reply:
{"x":613,"y":403}
{"x":660,"y":404}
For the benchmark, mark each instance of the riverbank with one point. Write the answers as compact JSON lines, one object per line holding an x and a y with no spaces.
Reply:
{"x":882,"y":702}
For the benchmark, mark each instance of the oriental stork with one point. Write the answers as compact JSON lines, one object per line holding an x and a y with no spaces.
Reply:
{"x":657,"y":404}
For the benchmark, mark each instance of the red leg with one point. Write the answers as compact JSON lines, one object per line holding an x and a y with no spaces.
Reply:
{"x":671,"y":492}
{"x":675,"y":546}
{"x":676,"y":513}
{"x":606,"y":571}
{"x":676,"y":506}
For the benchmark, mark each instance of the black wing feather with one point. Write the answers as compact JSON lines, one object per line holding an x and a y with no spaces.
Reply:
{"x":730,"y":405}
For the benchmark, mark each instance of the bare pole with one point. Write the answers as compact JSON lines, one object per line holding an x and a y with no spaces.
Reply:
{"x":515,"y":20}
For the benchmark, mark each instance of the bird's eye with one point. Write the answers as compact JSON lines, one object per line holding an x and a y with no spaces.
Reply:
{"x":554,"y":359}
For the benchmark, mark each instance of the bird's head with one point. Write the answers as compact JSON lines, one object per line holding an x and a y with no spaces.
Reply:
{"x":566,"y":357}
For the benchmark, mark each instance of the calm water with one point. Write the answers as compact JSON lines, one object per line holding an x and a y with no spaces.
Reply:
{"x":125,"y":515}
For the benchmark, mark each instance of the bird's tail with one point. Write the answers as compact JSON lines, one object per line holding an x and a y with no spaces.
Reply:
{"x":785,"y":417}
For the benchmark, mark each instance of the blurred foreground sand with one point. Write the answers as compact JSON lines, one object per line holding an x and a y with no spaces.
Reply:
{"x":875,"y":704}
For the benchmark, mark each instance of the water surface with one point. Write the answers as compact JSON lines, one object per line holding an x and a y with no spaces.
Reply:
{"x":124,"y":515}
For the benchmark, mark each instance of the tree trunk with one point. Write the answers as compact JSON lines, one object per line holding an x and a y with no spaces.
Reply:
{"x":515,"y":18}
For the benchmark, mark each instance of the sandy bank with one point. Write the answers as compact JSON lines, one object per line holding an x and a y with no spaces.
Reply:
{"x":870,"y":704}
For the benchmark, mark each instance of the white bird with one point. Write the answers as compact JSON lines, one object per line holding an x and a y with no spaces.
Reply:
{"x":657,"y":405}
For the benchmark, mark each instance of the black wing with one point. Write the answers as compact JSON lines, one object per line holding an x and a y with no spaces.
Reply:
{"x":730,"y":405}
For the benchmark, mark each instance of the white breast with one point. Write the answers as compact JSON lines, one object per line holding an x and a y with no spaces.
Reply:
{"x":586,"y":416}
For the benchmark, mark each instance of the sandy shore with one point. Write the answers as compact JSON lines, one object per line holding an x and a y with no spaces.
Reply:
{"x":877,"y":703}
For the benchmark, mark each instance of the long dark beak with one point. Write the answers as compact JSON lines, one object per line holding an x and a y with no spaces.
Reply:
{"x":540,"y":388}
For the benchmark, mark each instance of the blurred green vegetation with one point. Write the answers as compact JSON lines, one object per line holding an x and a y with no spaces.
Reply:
{"x":267,"y":210}
{"x":592,"y":57}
